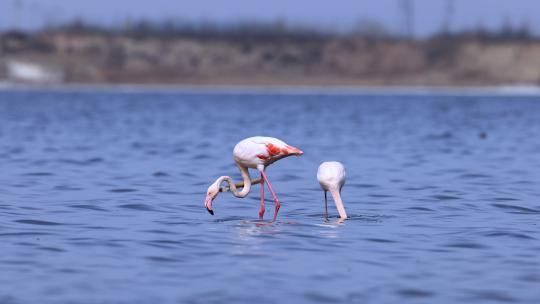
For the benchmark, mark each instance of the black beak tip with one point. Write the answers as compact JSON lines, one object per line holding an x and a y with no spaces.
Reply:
{"x":210,"y":211}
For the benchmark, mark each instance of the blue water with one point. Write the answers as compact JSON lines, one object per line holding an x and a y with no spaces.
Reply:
{"x":101,"y":198}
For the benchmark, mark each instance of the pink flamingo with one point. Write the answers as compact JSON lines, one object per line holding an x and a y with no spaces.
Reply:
{"x":257,"y":153}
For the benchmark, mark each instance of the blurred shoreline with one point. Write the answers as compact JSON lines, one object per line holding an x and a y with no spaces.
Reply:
{"x":267,"y":57}
{"x":503,"y":90}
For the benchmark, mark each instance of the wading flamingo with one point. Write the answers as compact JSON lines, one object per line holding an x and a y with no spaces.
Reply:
{"x":257,"y":153}
{"x":331,"y":176}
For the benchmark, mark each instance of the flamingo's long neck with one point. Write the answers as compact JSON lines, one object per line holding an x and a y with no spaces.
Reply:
{"x":339,"y":203}
{"x":247,"y":182}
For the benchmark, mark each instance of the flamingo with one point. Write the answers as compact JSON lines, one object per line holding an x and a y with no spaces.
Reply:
{"x":257,"y":153}
{"x":331,"y":176}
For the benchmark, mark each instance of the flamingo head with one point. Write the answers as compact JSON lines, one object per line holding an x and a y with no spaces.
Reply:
{"x":211,"y":194}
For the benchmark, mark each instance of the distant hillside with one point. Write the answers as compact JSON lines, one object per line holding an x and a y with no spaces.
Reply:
{"x":98,"y":57}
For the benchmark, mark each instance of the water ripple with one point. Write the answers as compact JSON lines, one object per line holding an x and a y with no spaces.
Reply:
{"x":466,"y":245}
{"x":89,"y":207}
{"x":85,"y":162}
{"x":491,"y":295}
{"x":38,"y":222}
{"x":516,"y":208}
{"x":509,"y":234}
{"x":122,"y":190}
{"x":140,"y":207}
{"x":415,"y":293}
{"x":39,"y":174}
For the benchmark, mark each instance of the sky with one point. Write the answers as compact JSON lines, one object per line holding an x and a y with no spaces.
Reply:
{"x":336,"y":14}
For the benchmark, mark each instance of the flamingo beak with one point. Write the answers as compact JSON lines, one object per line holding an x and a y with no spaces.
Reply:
{"x":295,"y":151}
{"x":208,"y":204}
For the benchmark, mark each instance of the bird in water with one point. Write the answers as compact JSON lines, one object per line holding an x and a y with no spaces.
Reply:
{"x":331,"y":176}
{"x":257,"y":153}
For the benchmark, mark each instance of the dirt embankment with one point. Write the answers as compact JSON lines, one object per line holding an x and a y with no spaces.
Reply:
{"x":102,"y":58}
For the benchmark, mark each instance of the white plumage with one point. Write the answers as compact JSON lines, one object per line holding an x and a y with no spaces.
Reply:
{"x":331,"y":176}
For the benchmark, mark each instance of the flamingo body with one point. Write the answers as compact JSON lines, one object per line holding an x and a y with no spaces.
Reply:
{"x":257,"y":153}
{"x":331,"y":176}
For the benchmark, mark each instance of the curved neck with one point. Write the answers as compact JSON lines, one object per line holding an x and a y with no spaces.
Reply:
{"x":247,"y":182}
{"x":339,"y":203}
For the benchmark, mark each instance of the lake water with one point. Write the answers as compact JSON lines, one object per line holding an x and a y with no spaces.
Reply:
{"x":101,"y":198}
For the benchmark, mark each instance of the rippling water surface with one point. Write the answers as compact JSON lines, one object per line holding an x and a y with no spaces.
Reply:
{"x":101,"y":199}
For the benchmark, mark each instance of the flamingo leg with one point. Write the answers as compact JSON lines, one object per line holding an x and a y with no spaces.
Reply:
{"x":261,"y":211}
{"x":276,"y":201}
{"x":325,"y":206}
